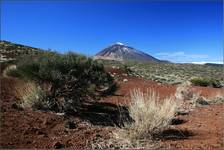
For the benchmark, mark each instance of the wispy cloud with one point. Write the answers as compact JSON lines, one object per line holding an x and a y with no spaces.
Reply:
{"x":183,"y":57}
{"x":181,"y":54}
{"x":204,"y":62}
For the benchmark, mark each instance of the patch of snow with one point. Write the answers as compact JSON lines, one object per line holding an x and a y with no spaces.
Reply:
{"x":126,"y":49}
{"x":119,"y":43}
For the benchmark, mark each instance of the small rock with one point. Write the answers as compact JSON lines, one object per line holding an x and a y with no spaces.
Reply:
{"x":125,"y":80}
{"x":125,"y":74}
{"x":98,"y":136}
{"x":2,"y":109}
{"x":202,"y":101}
{"x":70,"y":125}
{"x":58,"y":145}
{"x":60,"y":114}
{"x":16,"y":106}
{"x":182,"y":112}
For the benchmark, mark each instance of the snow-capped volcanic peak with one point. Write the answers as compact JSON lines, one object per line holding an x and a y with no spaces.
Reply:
{"x":121,"y":52}
{"x":119,"y":43}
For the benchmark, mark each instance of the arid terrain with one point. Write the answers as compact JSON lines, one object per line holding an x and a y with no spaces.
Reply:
{"x":202,"y":128}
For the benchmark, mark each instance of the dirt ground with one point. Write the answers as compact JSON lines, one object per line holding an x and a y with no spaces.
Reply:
{"x":202,"y":128}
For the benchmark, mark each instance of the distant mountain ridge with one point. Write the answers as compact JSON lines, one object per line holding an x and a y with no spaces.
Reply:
{"x":121,"y":52}
{"x":214,"y":64}
{"x":10,"y":51}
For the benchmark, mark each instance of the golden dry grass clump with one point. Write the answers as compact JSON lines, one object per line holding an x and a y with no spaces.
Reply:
{"x":31,"y":95}
{"x":150,"y":114}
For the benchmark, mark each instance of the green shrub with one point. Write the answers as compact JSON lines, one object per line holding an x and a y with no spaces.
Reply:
{"x":73,"y":78}
{"x":206,"y":82}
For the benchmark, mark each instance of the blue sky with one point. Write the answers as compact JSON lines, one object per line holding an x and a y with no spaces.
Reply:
{"x":179,"y":31}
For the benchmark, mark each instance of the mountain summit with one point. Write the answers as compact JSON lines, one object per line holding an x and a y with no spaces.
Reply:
{"x":122,"y":52}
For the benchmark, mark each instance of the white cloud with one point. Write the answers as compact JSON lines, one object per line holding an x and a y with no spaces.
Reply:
{"x":181,"y":54}
{"x":182,"y":57}
{"x":204,"y":62}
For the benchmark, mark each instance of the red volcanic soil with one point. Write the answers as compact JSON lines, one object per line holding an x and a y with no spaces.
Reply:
{"x":206,"y":126}
{"x":122,"y":95}
{"x":24,"y":128}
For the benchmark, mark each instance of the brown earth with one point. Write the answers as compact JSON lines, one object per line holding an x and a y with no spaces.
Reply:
{"x":24,"y":128}
{"x":206,"y":127}
{"x":35,"y":129}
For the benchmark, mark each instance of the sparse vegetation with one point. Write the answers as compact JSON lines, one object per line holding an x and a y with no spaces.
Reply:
{"x":72,"y":78}
{"x":185,"y":94}
{"x":169,"y":73}
{"x":219,"y":98}
{"x":216,"y":99}
{"x":11,"y":51}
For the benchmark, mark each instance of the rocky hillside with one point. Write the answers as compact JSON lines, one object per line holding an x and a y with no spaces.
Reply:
{"x":121,"y":52}
{"x":10,"y":51}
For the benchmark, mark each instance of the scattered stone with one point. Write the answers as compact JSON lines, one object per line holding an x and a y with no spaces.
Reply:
{"x":16,"y":106}
{"x":2,"y":109}
{"x":60,"y":114}
{"x":125,"y":74}
{"x":217,"y":100}
{"x":70,"y":125}
{"x":125,"y":80}
{"x":182,"y":112}
{"x":202,"y":101}
{"x":58,"y":145}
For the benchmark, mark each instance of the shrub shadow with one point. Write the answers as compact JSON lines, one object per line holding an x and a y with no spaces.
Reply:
{"x":105,"y":114}
{"x":174,"y":134}
{"x":177,"y":121}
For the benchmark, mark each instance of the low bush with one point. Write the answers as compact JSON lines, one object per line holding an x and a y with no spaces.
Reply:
{"x":72,"y":78}
{"x":206,"y":82}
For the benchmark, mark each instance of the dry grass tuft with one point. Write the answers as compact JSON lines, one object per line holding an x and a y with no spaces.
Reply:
{"x":183,"y":91}
{"x":150,"y":114}
{"x":151,"y":117}
{"x":31,"y":95}
{"x":219,"y":98}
